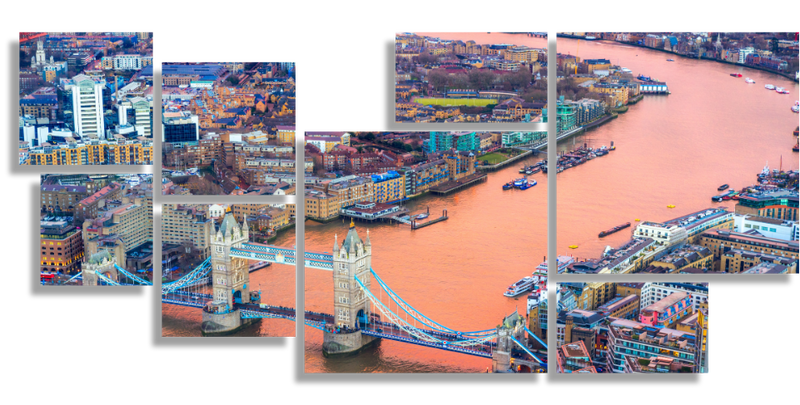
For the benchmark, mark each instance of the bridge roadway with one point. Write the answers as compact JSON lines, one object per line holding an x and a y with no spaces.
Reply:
{"x":391,"y":331}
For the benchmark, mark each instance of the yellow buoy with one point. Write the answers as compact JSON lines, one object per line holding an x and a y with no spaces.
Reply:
{"x":573,"y":246}
{"x":670,"y":206}
{"x":637,"y":219}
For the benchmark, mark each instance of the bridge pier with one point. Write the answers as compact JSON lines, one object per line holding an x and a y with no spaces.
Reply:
{"x":223,"y":324}
{"x":342,"y":344}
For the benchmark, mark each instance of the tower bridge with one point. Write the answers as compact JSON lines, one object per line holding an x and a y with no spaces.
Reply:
{"x":360,"y":318}
{"x":232,"y":304}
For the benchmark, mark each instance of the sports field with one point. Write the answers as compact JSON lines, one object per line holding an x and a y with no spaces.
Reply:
{"x":493,"y":158}
{"x":456,"y":102}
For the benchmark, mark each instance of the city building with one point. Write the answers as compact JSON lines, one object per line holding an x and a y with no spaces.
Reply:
{"x":573,"y":357}
{"x":703,"y":338}
{"x":666,"y":312}
{"x":61,"y":247}
{"x":128,"y":62}
{"x":87,"y":102}
{"x":740,"y":261}
{"x":351,"y":190}
{"x":621,"y":307}
{"x":39,"y":106}
{"x":321,"y":206}
{"x":719,"y":241}
{"x":59,"y":198}
{"x":461,"y":141}
{"x":388,"y":187}
{"x":770,"y":227}
{"x":91,"y":206}
{"x":781,"y":204}
{"x":636,"y":347}
{"x":179,"y":127}
{"x":654,"y":292}
{"x":181,"y":223}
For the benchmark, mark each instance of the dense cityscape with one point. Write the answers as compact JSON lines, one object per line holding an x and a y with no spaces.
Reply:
{"x":440,"y":79}
{"x":228,"y":128}
{"x":632,"y":328}
{"x":96,"y":229}
{"x":86,"y":98}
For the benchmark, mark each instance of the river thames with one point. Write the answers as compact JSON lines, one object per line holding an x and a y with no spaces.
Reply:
{"x":454,"y":272}
{"x":674,"y":149}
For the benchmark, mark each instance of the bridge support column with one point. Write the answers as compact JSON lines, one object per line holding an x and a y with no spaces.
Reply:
{"x":216,"y":324}
{"x":340,"y":344}
{"x":501,"y":362}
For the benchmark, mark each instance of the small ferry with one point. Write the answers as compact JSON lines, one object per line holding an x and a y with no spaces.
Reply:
{"x":782,"y":91}
{"x":508,"y":186}
{"x":769,"y":87}
{"x":749,"y":80}
{"x":722,"y":187}
{"x":521,"y":286}
{"x":519,"y":182}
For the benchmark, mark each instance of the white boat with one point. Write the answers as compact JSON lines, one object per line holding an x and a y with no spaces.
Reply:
{"x":590,"y":38}
{"x":519,"y":182}
{"x":769,"y":87}
{"x":520,"y":287}
{"x":779,"y":89}
{"x":422,"y":216}
{"x":563,"y":262}
{"x":796,"y":108}
{"x":749,"y":80}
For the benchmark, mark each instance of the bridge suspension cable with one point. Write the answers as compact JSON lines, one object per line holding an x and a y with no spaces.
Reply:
{"x":420,"y":317}
{"x":416,"y":332}
{"x":526,"y":349}
{"x":535,"y":337}
{"x":190,"y":278}
{"x":132,"y":276}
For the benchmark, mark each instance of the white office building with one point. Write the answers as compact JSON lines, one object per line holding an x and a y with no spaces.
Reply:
{"x":87,"y":106}
{"x":143,"y":123}
{"x":654,"y":292}
{"x":128,"y":62}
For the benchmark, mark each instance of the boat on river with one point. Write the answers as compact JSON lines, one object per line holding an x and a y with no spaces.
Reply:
{"x":614,"y":229}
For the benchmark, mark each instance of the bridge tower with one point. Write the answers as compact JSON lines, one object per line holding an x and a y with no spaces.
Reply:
{"x":229,"y":278}
{"x":503,"y":360}
{"x":101,"y":262}
{"x":351,"y":260}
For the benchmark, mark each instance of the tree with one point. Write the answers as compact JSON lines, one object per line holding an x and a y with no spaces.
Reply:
{"x":519,"y":79}
{"x":426,"y":58}
{"x":126,"y":43}
{"x":438,"y":79}
{"x":480,"y":79}
{"x":233,"y":80}
{"x":407,"y":147}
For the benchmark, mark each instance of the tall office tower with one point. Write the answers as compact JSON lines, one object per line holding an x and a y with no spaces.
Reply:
{"x":87,"y":103}
{"x":142,"y":109}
